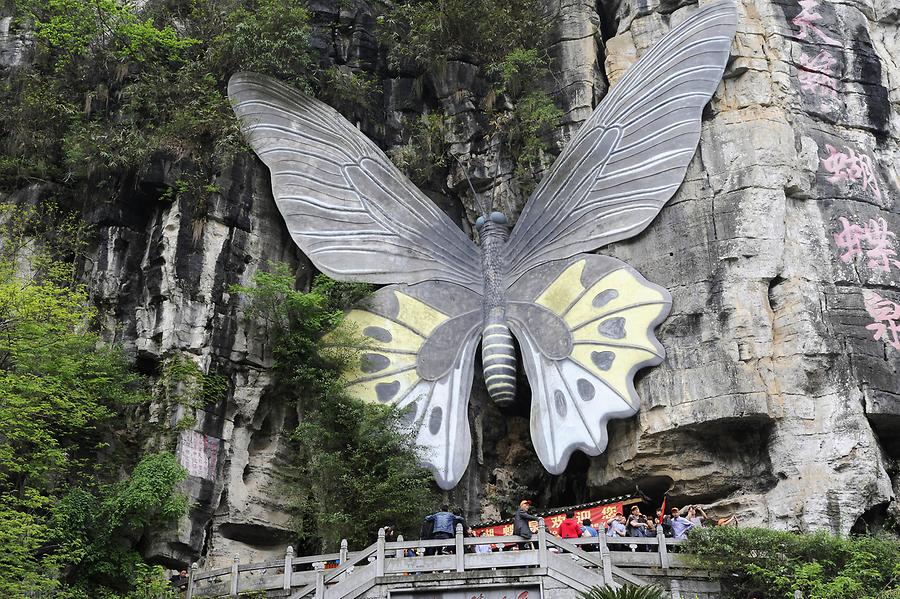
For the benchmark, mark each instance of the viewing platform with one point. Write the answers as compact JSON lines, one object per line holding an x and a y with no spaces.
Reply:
{"x":553,"y":569}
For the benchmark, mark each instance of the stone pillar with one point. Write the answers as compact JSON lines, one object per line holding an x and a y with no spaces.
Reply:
{"x":663,"y":551}
{"x":605,"y":558}
{"x":288,"y":568}
{"x":460,"y":553}
{"x":191,"y":573}
{"x":379,"y":554}
{"x":542,"y":543}
{"x":320,"y":578}
{"x":234,"y":575}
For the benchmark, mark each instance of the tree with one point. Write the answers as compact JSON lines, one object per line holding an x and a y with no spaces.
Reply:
{"x":62,"y":528}
{"x":355,"y":467}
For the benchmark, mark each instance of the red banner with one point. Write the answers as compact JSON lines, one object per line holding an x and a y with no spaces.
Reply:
{"x":598,"y":515}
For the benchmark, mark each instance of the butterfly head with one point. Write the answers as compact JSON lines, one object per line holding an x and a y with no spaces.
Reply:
{"x":496,"y":220}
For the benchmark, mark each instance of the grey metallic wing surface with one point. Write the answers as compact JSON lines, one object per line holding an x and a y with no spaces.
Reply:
{"x":419,"y":355}
{"x":585,"y":326}
{"x":345,"y":204}
{"x":631,"y":155}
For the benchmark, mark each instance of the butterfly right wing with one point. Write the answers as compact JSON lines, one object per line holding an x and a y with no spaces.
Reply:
{"x":585,"y":327}
{"x":419,"y":355}
{"x":631,"y":155}
{"x":350,"y":210}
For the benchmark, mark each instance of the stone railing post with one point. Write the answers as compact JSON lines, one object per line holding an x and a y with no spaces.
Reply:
{"x":460,"y":553}
{"x":319,"y":567}
{"x":663,"y":551}
{"x":605,"y":558}
{"x":288,"y":568}
{"x":343,"y":551}
{"x":798,"y":594}
{"x":379,"y":554}
{"x":676,"y":589}
{"x":399,"y":552}
{"x":542,"y":543}
{"x":234,"y":575}
{"x":191,"y":573}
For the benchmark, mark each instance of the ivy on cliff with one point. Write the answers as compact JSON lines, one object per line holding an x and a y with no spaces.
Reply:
{"x":505,"y":40}
{"x":355,"y":466}
{"x":115,"y":85}
{"x":62,"y":528}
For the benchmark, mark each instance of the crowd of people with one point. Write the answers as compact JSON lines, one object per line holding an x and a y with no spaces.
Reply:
{"x":676,"y":524}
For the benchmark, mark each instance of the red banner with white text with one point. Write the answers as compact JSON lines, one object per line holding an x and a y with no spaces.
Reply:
{"x":598,"y":515}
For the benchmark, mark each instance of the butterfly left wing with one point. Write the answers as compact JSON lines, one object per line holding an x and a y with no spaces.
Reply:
{"x":419,"y":355}
{"x":350,"y":210}
{"x":585,"y":326}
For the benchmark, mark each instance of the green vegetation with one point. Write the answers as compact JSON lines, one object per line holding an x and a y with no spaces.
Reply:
{"x":820,"y":565}
{"x":114,"y":87}
{"x":62,"y":528}
{"x":354,"y":469}
{"x":505,"y":41}
{"x":626,"y":592}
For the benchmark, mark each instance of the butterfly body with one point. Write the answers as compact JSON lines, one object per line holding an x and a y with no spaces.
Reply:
{"x":498,"y":354}
{"x":584,"y":323}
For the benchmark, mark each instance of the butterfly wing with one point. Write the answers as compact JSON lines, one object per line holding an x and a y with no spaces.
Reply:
{"x":420,"y":343}
{"x":631,"y":155}
{"x":347,"y":207}
{"x":585,"y":326}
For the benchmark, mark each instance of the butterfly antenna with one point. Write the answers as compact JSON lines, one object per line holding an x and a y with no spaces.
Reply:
{"x":478,"y":199}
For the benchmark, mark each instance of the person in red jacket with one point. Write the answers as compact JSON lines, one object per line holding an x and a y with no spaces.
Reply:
{"x":570,"y":528}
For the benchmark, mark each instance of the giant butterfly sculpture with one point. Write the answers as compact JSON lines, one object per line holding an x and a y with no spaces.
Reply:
{"x":584,"y":322}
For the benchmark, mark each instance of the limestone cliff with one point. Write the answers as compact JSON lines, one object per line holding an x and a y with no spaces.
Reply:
{"x":775,"y":401}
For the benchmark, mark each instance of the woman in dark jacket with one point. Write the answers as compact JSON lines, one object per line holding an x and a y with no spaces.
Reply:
{"x":520,"y":525}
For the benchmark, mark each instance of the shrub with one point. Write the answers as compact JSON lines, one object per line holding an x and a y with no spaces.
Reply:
{"x":821,"y":565}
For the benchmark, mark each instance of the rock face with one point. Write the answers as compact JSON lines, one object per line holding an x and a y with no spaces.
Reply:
{"x":775,"y":401}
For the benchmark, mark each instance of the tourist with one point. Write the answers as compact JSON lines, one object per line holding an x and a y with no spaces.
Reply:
{"x":637,"y":526}
{"x":569,"y":528}
{"x":680,"y":524}
{"x":616,"y":529}
{"x":587,"y":529}
{"x":520,"y":524}
{"x":665,"y":520}
{"x":731,"y":520}
{"x":443,"y":525}
{"x":694,"y":518}
{"x":480,"y":548}
{"x":180,"y":580}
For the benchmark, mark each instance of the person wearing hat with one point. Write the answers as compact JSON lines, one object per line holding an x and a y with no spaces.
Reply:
{"x":520,"y":525}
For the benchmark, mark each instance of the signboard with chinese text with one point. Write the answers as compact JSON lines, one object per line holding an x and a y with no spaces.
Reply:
{"x":598,"y":514}
{"x":486,"y":592}
{"x":198,"y":453}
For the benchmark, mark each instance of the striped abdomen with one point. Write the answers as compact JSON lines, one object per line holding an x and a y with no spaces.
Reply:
{"x":498,"y":357}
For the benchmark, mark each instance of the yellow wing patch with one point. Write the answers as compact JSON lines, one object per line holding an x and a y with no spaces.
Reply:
{"x":611,"y":322}
{"x":386,"y":369}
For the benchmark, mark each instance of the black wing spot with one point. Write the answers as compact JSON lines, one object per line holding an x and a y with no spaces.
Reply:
{"x":559,"y":400}
{"x":387,"y":391}
{"x":434,"y":421}
{"x":614,"y":328}
{"x":603,"y":359}
{"x":378,"y":334}
{"x":604,"y":297}
{"x":586,"y":389}
{"x":370,"y":363}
